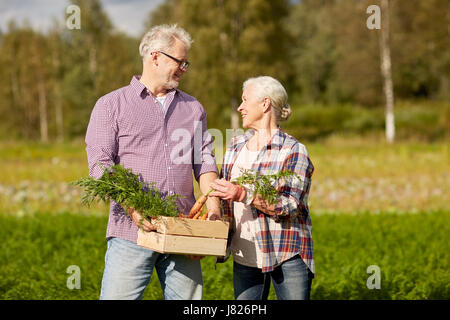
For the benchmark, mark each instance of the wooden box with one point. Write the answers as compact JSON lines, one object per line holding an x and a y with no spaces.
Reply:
{"x":186,"y":236}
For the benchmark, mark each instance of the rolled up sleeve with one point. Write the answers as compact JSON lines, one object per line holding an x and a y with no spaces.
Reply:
{"x":294,"y":190}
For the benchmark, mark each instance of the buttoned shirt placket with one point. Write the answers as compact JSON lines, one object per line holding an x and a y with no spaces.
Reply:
{"x":163,"y":113}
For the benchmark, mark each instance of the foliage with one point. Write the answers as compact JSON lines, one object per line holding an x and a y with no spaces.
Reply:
{"x":368,"y":204}
{"x":421,"y":120}
{"x":321,"y":51}
{"x":344,"y":246}
{"x":127,"y":189}
{"x":336,"y":57}
{"x":233,"y":40}
{"x":56,"y":78}
{"x":264,"y":183}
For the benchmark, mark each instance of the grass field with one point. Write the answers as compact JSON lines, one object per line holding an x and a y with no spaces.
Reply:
{"x":371,"y":204}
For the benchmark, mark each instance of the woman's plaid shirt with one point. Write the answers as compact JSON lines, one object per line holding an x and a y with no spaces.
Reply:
{"x":293,"y":234}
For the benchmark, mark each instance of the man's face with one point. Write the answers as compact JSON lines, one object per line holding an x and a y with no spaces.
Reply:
{"x":170,"y":72}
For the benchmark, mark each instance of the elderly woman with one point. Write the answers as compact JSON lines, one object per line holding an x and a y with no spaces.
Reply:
{"x":268,"y":241}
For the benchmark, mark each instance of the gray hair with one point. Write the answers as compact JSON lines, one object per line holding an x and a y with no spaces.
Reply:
{"x":162,"y":38}
{"x":266,"y":86}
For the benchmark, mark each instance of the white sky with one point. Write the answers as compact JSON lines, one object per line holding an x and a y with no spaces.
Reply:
{"x":126,"y":15}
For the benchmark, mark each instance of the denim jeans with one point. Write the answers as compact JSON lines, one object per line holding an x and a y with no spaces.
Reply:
{"x":291,"y":281}
{"x":129,"y":267}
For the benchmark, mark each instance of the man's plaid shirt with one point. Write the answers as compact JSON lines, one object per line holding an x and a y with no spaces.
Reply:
{"x":293,"y":234}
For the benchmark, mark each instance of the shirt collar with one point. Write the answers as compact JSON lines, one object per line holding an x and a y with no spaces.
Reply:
{"x":277,"y":139}
{"x":276,"y":142}
{"x":141,"y":90}
{"x":138,"y":86}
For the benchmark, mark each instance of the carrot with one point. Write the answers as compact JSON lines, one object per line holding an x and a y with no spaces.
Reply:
{"x":204,"y":216}
{"x":198,"y":205}
{"x":197,"y":215}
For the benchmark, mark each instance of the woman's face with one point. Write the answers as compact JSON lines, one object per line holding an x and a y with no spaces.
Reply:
{"x":251,"y":109}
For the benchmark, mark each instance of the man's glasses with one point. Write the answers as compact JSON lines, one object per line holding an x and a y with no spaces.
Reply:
{"x":183,"y":65}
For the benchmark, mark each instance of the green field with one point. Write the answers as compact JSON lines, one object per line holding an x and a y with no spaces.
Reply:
{"x":411,"y":250}
{"x":371,"y":204}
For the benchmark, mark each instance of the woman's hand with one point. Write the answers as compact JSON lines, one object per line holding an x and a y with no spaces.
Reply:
{"x":227,"y":190}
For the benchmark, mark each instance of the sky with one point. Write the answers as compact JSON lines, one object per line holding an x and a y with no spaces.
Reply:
{"x":126,"y":15}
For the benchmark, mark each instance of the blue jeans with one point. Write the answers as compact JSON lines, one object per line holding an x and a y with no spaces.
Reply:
{"x":291,"y":281}
{"x":129,"y":267}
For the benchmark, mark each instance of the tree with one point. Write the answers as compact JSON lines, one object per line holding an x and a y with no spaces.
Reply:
{"x":233,"y":40}
{"x":25,"y":71}
{"x":385,"y":54}
{"x":80,"y":85}
{"x":57,"y":51}
{"x":419,"y":48}
{"x":314,"y":50}
{"x":41,"y":70}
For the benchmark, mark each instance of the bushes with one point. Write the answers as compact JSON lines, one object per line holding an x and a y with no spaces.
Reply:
{"x":423,"y":121}
{"x":427,"y":120}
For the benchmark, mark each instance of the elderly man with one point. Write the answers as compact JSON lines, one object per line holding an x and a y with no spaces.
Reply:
{"x":140,"y":126}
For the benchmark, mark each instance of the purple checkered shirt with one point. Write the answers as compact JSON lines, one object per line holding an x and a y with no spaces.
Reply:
{"x":165,"y":146}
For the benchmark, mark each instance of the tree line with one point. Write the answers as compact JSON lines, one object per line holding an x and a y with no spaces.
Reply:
{"x":321,"y":50}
